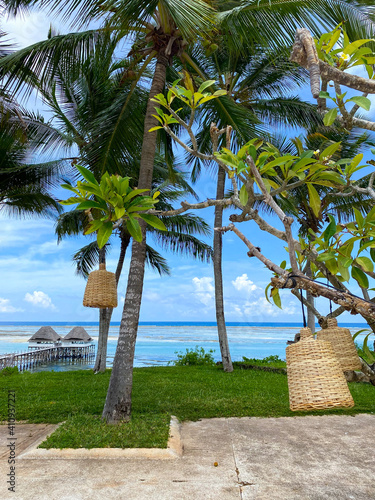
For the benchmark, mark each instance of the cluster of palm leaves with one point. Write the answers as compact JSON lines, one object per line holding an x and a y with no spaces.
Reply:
{"x":97,"y":84}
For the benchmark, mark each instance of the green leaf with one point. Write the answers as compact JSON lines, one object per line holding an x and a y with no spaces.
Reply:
{"x":343,"y":271}
{"x":335,"y":37}
{"x":132,"y":194}
{"x":71,"y":188}
{"x":330,"y":150}
{"x":359,"y":218}
{"x":360,"y":277}
{"x":134,"y":229}
{"x":362,"y":101}
{"x":330,"y":117}
{"x":359,"y":332}
{"x":93,"y":226}
{"x":266,"y":292}
{"x":314,"y":199}
{"x":352,"y":47}
{"x":324,"y":95}
{"x":205,"y":85}
{"x":243,"y":195}
{"x":330,"y":229}
{"x":89,"y":204}
{"x":366,"y":350}
{"x":104,"y":233}
{"x":372,"y":253}
{"x":332,"y":266}
{"x":154,"y":221}
{"x":276,"y":297}
{"x":155,"y":128}
{"x":119,"y":212}
{"x":87,"y":175}
{"x":241,"y":167}
{"x":252,"y":152}
{"x":365,"y":263}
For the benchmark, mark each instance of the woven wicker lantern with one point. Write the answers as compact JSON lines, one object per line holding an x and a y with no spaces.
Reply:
{"x":305,"y":333}
{"x":343,"y":345}
{"x":315,"y":378}
{"x":101,"y":289}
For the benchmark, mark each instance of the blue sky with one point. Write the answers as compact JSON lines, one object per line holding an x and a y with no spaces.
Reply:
{"x":39,"y":282}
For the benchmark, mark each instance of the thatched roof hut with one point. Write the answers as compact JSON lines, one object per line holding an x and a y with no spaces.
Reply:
{"x":77,"y":334}
{"x":45,"y":334}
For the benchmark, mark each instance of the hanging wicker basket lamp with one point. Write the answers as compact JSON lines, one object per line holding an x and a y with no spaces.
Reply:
{"x":342,"y":343}
{"x":101,"y":289}
{"x":315,"y":378}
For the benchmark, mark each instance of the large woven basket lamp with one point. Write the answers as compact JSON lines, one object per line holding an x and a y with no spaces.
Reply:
{"x":315,"y":378}
{"x":101,"y":289}
{"x":342,"y":343}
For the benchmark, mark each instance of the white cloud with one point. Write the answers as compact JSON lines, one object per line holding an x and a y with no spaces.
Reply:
{"x":204,"y":290}
{"x":39,"y":299}
{"x":262,"y":308}
{"x":243,"y":284}
{"x":6,"y":307}
{"x":28,"y":29}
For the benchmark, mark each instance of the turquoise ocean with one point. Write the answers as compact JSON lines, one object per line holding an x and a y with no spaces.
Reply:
{"x":158,"y":342}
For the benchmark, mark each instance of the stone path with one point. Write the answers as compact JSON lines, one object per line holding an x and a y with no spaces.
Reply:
{"x":300,"y":458}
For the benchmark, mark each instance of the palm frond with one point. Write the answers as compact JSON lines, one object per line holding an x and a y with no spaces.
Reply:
{"x":87,"y":258}
{"x":157,"y":261}
{"x":184,"y":244}
{"x":72,"y":223}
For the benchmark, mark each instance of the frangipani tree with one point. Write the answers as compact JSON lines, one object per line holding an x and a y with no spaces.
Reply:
{"x":259,"y":172}
{"x":111,"y":201}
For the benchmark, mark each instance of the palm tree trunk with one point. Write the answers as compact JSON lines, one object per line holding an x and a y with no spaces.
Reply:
{"x":106,"y":314}
{"x":118,"y":401}
{"x":101,"y":356}
{"x":218,"y":276}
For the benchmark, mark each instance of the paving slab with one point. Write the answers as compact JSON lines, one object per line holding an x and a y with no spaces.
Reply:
{"x":305,"y":458}
{"x":298,"y":458}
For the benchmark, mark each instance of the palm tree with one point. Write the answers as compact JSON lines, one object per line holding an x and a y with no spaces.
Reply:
{"x":80,"y":103}
{"x":178,"y":238}
{"x":256,"y":83}
{"x":168,"y":26}
{"x":24,"y":186}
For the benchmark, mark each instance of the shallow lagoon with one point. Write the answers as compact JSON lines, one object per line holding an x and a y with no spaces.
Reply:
{"x":158,"y":342}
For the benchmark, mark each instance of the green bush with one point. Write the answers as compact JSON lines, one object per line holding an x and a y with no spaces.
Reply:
{"x":272,"y":361}
{"x":268,"y":360}
{"x":9,"y":370}
{"x":195,"y":357}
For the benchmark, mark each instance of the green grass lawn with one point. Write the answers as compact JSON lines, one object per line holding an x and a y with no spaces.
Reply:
{"x":189,"y":393}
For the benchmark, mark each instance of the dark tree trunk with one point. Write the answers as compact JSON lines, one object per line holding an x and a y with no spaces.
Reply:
{"x":310,"y":300}
{"x":117,"y":406}
{"x":105,"y":315}
{"x":218,"y":276}
{"x":101,"y":355}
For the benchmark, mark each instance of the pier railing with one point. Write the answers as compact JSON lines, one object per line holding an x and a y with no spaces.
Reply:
{"x":35,"y":357}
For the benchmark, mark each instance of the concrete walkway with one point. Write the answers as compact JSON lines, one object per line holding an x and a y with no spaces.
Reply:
{"x":300,"y":458}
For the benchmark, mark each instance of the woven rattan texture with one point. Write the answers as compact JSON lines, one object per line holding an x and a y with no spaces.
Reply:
{"x":315,"y":378}
{"x":101,"y":290}
{"x":343,"y":345}
{"x":305,"y":333}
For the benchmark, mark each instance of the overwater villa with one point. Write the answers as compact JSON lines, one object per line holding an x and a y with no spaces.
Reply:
{"x":76,"y":337}
{"x":44,"y":337}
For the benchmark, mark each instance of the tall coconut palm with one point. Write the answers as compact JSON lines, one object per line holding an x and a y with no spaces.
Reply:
{"x":24,"y":186}
{"x":257,"y":83}
{"x":169,"y":26}
{"x":80,"y":102}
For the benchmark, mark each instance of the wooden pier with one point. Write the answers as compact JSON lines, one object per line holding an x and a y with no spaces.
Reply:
{"x":35,"y":357}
